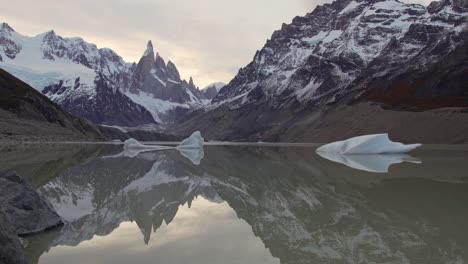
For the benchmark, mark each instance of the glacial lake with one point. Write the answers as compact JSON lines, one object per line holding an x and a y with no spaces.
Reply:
{"x":247,"y":204}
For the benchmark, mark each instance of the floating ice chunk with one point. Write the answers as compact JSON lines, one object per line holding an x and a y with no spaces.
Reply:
{"x":370,"y":144}
{"x":372,"y":163}
{"x":195,"y":141}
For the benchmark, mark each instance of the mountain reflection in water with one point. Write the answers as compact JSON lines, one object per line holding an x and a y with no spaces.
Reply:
{"x":250,"y":204}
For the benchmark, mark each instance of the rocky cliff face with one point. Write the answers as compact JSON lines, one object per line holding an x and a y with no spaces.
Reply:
{"x":405,"y":56}
{"x":158,"y":86}
{"x":97,"y":83}
{"x":346,"y":46}
{"x":212,"y":90}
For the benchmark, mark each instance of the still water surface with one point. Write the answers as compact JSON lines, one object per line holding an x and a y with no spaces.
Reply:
{"x":247,"y":204}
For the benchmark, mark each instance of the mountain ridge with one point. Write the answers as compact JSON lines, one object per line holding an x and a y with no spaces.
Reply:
{"x":359,"y":54}
{"x":69,"y":71}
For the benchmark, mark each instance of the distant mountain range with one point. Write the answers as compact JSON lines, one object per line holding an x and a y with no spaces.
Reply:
{"x":348,"y":68}
{"x":97,"y":83}
{"x":213,"y":89}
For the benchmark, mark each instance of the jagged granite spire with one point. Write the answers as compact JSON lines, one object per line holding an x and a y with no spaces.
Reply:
{"x":143,"y":68}
{"x":149,"y":49}
{"x":4,"y":27}
{"x":159,"y":62}
{"x":172,"y":71}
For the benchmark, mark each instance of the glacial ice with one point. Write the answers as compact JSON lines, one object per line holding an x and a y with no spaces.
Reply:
{"x":195,"y":141}
{"x":369,"y":144}
{"x":371,"y":163}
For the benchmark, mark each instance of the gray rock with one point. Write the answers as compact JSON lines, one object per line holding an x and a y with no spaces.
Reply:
{"x":11,"y":251}
{"x":26,"y":209}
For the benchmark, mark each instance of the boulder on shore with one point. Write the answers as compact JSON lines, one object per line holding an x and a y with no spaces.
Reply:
{"x":11,"y":251}
{"x":26,"y":209}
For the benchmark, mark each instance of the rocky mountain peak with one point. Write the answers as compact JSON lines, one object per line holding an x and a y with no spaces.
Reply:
{"x":50,"y":37}
{"x":149,"y":49}
{"x":4,"y":27}
{"x":159,"y":62}
{"x":172,"y":71}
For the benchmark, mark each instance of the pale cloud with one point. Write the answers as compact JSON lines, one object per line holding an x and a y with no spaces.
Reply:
{"x":207,"y":39}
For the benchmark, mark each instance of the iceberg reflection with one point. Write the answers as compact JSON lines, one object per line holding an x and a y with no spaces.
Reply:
{"x":377,"y":163}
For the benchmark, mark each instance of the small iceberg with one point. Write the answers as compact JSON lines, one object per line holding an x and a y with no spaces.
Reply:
{"x":195,"y":141}
{"x":370,"y":144}
{"x":191,"y":148}
{"x":377,"y":163}
{"x":372,"y":153}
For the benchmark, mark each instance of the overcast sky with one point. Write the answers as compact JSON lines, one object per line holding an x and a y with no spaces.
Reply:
{"x":207,"y":39}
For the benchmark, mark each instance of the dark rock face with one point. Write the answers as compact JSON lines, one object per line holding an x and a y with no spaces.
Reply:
{"x":212,"y":90}
{"x":346,"y":45}
{"x":107,"y":107}
{"x":11,"y":250}
{"x":404,"y":56}
{"x":153,"y":76}
{"x":28,"y":212}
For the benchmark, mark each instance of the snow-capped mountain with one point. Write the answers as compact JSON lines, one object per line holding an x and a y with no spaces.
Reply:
{"x":383,"y":51}
{"x":212,"y":90}
{"x":332,"y":50}
{"x":157,"y":86}
{"x":96,"y":83}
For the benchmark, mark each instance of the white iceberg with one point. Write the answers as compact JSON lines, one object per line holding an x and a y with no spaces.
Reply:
{"x":195,"y":141}
{"x":376,"y":163}
{"x":370,"y":144}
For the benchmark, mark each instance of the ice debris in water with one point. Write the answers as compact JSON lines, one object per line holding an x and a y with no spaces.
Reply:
{"x":369,"y":144}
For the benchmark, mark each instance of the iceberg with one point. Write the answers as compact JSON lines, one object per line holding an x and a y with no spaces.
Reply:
{"x":377,"y":163}
{"x":369,"y":144}
{"x":195,"y":141}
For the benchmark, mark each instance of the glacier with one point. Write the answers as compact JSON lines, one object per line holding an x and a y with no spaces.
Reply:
{"x":368,"y":144}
